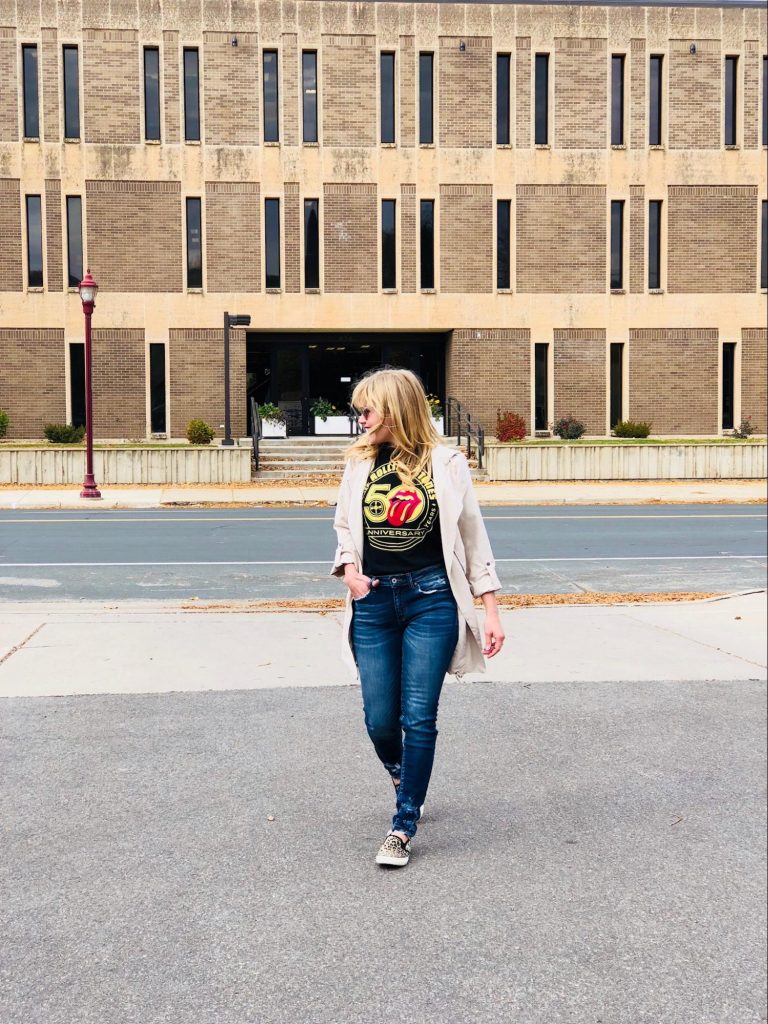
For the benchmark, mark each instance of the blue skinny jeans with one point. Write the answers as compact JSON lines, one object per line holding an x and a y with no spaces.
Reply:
{"x":404,"y":632}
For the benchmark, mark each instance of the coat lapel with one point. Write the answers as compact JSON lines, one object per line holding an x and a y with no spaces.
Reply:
{"x":355,"y":515}
{"x":447,"y":502}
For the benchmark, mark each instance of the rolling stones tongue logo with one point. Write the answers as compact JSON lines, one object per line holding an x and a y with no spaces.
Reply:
{"x":398,"y":517}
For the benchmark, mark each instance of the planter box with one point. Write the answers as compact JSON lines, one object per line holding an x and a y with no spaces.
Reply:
{"x":439,"y":423}
{"x":738,"y":461}
{"x":269,"y":428}
{"x":333,"y":425}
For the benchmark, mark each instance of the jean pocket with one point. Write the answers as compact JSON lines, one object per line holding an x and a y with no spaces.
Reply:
{"x":433,"y":584}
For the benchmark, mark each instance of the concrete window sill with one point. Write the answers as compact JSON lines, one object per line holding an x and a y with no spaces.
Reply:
{"x":274,"y":291}
{"x":504,"y":145}
{"x":542,"y":145}
{"x":655,"y":291}
{"x":618,"y":145}
{"x":272,"y":145}
{"x":73,"y":291}
{"x":153,"y":142}
{"x":35,"y":291}
{"x":311,"y":145}
{"x":192,"y":142}
{"x":504,"y":291}
{"x":389,"y":145}
{"x":732,"y":147}
{"x":71,"y":142}
{"x":312,"y":291}
{"x":428,"y":291}
{"x":194,"y":291}
{"x":426,"y":145}
{"x":31,"y":138}
{"x":389,"y":291}
{"x":658,"y":148}
{"x":618,"y":291}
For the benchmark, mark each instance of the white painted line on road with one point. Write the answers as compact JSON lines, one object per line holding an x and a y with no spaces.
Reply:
{"x":307,"y":561}
{"x":172,"y":520}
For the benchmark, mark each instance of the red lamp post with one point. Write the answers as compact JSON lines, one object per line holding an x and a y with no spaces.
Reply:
{"x":88,"y":289}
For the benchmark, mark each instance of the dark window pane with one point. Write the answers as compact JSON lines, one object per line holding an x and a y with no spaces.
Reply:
{"x":71,"y":94}
{"x":388,"y":244}
{"x":272,"y":236}
{"x":617,"y":244}
{"x":74,"y":241}
{"x":542,"y":99}
{"x":731,"y":67}
{"x":654,"y":111}
{"x":541,"y":387}
{"x":271,"y":116}
{"x":427,"y":243}
{"x":654,"y":244}
{"x":617,"y":99}
{"x":764,"y":247}
{"x":765,"y":101}
{"x":387,"y":97}
{"x":502,"y":99}
{"x":617,"y":360}
{"x":194,"y":244}
{"x":311,"y":244}
{"x":309,"y":87}
{"x":729,"y":353}
{"x":191,"y":96}
{"x":151,"y":92}
{"x":426,"y":134}
{"x":77,"y":384}
{"x":34,"y":242}
{"x":31,"y":101}
{"x":157,"y":387}
{"x":503,"y":208}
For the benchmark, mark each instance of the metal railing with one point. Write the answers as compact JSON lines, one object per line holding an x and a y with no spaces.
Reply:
{"x":459,"y":423}
{"x":255,"y":431}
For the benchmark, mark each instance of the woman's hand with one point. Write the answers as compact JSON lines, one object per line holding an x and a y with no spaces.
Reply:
{"x":494,"y":634}
{"x":359,"y":585}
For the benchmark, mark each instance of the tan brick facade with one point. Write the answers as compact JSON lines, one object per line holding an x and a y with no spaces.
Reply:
{"x":580,"y":378}
{"x":171,"y":71}
{"x":196,"y":372}
{"x":754,"y":377}
{"x":119,"y":383}
{"x":636,"y":239}
{"x":489,"y":371}
{"x":11,"y":279}
{"x":522,"y":72}
{"x":49,"y":85}
{"x":9,"y":106}
{"x":349,"y":90}
{"x":54,"y":272}
{"x":233,"y":249}
{"x":466,"y":238}
{"x":111,"y":92}
{"x":671,"y":377}
{"x":32,"y":389}
{"x":232,"y":79}
{"x":351,"y":221}
{"x":712,"y":238}
{"x":466,"y":92}
{"x":695,"y":94}
{"x":292,"y":221}
{"x":638,"y":136}
{"x":581,"y":93}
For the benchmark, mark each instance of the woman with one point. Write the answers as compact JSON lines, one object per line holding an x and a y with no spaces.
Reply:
{"x":413,"y":552}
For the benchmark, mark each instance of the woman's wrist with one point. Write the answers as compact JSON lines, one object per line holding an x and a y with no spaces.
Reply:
{"x":489,"y":601}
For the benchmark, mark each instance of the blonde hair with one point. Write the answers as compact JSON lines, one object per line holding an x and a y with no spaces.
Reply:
{"x":397,"y":396}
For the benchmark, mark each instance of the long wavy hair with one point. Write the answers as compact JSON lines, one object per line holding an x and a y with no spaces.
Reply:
{"x":398,"y":396}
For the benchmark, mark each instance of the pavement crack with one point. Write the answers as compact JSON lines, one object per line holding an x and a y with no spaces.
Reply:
{"x":18,"y":647}
{"x":701,"y":643}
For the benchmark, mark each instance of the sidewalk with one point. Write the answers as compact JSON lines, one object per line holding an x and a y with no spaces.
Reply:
{"x":512,"y":493}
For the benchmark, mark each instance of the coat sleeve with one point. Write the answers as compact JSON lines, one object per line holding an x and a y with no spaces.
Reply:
{"x":481,"y":567}
{"x":345,"y":548}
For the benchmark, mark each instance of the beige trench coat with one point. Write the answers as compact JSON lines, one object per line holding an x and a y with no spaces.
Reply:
{"x":466,"y":548}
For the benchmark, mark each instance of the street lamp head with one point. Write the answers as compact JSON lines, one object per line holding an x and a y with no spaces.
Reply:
{"x":240,"y":321}
{"x":88,"y":288}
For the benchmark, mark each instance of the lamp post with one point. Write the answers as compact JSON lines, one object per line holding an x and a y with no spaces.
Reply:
{"x":88,"y":289}
{"x":229,"y":321}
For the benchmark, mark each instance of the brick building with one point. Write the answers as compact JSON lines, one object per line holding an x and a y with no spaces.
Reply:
{"x":542,"y":208}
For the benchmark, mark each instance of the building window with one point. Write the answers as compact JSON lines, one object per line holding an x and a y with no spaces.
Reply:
{"x":77,"y":384}
{"x":654,"y":243}
{"x":309,"y":86}
{"x":542,"y":99}
{"x":191,"y":95}
{"x":427,"y":243}
{"x":271,"y":98}
{"x":71,"y":93}
{"x":729,"y":384}
{"x":388,"y":244}
{"x":151,"y":93}
{"x":617,"y":243}
{"x":541,"y":387}
{"x":617,"y":99}
{"x":731,"y":69}
{"x":194,"y":244}
{"x":34,"y":242}
{"x":764,"y":245}
{"x":765,"y":101}
{"x":503,"y":269}
{"x":654,"y":111}
{"x":311,"y":243}
{"x":74,"y":241}
{"x":502,"y":99}
{"x":157,"y":416}
{"x":426,"y":99}
{"x":272,"y":241}
{"x":617,"y":384}
{"x":31,"y":97}
{"x":387,"y":76}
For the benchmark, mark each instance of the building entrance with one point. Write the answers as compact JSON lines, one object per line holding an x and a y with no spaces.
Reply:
{"x":292,"y":370}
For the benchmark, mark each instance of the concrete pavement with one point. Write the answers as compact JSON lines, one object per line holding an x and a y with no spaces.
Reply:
{"x":514,"y":493}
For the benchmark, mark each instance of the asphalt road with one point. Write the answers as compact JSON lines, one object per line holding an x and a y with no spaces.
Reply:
{"x":592,"y":853}
{"x":225,"y":554}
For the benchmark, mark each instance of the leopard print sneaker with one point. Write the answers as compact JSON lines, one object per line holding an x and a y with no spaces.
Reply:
{"x":394,"y":852}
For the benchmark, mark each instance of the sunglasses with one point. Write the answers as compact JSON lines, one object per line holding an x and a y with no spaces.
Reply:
{"x":364,"y":413}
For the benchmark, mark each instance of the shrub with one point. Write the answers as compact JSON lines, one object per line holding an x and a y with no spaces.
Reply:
{"x":629,"y":428}
{"x":569,"y":428}
{"x":198,"y":432}
{"x":744,"y":429}
{"x":63,"y":433}
{"x":510,"y":426}
{"x":322,"y":408}
{"x":5,"y":419}
{"x":435,"y":407}
{"x":271,"y":412}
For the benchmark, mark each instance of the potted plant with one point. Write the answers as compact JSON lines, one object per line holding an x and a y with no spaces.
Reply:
{"x":328,"y":419}
{"x":436,"y":411}
{"x":272,"y":420}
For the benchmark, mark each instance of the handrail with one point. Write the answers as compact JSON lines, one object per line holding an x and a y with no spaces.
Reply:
{"x":255,"y":430}
{"x":354,"y":427}
{"x":464,"y":425}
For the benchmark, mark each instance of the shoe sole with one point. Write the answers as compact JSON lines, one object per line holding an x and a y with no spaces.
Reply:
{"x":392,"y":862}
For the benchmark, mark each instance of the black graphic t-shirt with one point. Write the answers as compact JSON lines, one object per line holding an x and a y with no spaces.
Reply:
{"x":401,"y":523}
